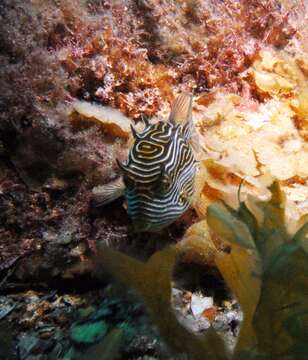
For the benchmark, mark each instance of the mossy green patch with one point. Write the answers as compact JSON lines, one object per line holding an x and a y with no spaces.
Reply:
{"x":89,"y":332}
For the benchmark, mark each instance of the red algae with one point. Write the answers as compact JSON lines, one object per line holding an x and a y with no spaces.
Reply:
{"x":132,"y":55}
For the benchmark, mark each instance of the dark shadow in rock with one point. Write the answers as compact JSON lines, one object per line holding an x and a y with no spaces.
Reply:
{"x":197,"y":278}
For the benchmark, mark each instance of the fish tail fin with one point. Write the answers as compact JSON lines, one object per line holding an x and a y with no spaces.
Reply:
{"x":104,"y":194}
{"x":181,"y":109}
{"x":181,"y":113}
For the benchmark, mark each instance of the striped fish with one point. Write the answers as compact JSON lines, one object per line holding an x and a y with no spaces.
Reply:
{"x":158,"y":177}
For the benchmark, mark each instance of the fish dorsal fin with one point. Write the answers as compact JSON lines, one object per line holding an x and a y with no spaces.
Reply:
{"x":181,"y":113}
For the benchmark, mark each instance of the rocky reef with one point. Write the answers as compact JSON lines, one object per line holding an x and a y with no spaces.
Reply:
{"x":130,"y":55}
{"x":75,"y":74}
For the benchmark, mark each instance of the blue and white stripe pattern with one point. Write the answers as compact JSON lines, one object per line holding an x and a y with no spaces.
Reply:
{"x":159,"y":175}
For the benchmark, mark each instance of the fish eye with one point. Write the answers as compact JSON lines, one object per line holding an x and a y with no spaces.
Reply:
{"x":165,"y":183}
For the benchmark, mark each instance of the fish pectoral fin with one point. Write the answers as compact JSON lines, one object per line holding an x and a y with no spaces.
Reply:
{"x":181,"y":110}
{"x":104,"y":194}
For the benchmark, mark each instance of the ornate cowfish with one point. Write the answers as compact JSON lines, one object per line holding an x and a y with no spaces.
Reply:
{"x":158,"y":176}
